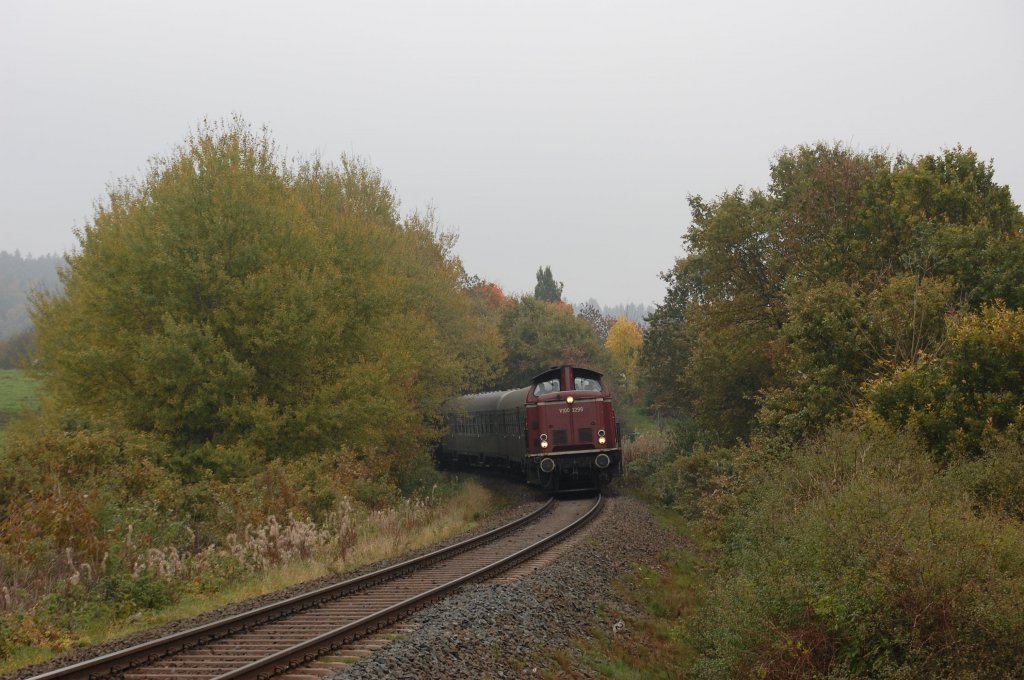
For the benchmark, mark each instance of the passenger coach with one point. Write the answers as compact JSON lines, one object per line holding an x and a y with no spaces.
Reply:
{"x":559,"y":432}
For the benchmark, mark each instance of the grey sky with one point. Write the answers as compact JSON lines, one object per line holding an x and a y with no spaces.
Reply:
{"x":560,"y":133}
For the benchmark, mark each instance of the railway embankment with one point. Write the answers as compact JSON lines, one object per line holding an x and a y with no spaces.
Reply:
{"x":509,"y":501}
{"x":550,"y":623}
{"x":545,"y":616}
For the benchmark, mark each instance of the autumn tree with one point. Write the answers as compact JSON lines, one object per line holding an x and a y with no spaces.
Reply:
{"x":846,"y":268}
{"x":859,"y":322}
{"x":973,"y":387}
{"x":625,"y":340}
{"x":17,"y":349}
{"x":722,"y":308}
{"x":540,"y":334}
{"x":601,"y":323}
{"x":488,"y":299}
{"x":243,"y":308}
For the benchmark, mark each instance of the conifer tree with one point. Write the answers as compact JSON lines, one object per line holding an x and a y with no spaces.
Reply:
{"x":547,"y":288}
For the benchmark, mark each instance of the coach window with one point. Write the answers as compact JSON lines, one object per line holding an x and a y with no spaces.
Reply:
{"x":547,"y":387}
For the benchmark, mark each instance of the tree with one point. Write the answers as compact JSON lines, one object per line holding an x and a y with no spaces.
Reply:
{"x":233,"y":303}
{"x":709,"y":342}
{"x":667,"y":343}
{"x":601,"y":323}
{"x":540,"y":334}
{"x":547,"y":288}
{"x":790,"y":300}
{"x":625,"y":340}
{"x":973,"y":387}
{"x":489,"y":300}
{"x":16,"y":350}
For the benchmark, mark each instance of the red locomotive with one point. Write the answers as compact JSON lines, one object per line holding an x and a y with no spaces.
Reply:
{"x":559,"y":432}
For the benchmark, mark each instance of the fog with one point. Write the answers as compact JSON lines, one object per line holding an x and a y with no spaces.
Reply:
{"x":565,"y":134}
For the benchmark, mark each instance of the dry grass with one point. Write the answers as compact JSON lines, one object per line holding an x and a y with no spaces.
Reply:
{"x":650,"y":444}
{"x":266,"y":558}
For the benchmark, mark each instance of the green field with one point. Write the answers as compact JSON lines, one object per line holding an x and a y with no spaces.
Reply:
{"x":17,"y":391}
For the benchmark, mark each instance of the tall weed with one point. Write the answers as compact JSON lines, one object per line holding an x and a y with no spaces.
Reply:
{"x":95,"y":529}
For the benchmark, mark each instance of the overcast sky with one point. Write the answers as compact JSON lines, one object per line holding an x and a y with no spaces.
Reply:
{"x":544,"y":133}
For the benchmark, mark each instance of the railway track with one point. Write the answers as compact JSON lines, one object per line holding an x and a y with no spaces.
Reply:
{"x":278,"y":639}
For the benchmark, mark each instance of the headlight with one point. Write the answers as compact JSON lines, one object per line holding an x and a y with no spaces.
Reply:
{"x":569,"y":399}
{"x":543,"y":445}
{"x":601,"y":440}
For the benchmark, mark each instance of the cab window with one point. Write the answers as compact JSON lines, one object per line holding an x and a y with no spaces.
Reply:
{"x":547,"y":387}
{"x":588,"y":384}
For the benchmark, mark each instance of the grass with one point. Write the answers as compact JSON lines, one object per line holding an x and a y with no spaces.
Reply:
{"x":17,"y":391}
{"x":635,"y":419}
{"x":24,"y":656}
{"x":652,"y":647}
{"x":381,"y":535}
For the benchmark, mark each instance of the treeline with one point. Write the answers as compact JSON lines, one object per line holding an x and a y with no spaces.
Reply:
{"x":842,"y":356}
{"x":19,"y":276}
{"x":633,"y":311}
{"x":240,"y":338}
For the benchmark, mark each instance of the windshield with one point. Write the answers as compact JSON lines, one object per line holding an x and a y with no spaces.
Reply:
{"x":547,"y":387}
{"x":588,"y":385}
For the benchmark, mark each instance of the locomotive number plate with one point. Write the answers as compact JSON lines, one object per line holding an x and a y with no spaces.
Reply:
{"x":574,"y":409}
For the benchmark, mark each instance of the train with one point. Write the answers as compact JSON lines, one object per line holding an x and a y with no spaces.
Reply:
{"x":559,"y":432}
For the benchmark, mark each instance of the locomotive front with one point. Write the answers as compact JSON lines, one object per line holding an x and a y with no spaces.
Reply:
{"x":572,"y":436}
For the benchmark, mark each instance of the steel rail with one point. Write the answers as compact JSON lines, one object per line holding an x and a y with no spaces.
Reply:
{"x":306,"y":652}
{"x":146,"y":652}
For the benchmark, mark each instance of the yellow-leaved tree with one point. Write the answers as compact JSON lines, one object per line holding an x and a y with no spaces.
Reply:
{"x":625,"y":340}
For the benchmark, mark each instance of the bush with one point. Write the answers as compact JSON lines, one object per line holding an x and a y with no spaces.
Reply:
{"x":851,"y":558}
{"x":95,"y":517}
{"x":996,"y":479}
{"x":20,"y":630}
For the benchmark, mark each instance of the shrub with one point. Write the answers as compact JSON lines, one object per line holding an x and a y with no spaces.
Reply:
{"x":995,"y":479}
{"x":95,"y":523}
{"x":695,"y":481}
{"x":851,"y":558}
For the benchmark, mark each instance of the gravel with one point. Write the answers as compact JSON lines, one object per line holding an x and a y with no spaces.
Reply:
{"x":509,"y":630}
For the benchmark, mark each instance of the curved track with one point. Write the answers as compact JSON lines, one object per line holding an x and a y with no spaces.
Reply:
{"x":276,"y":638}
